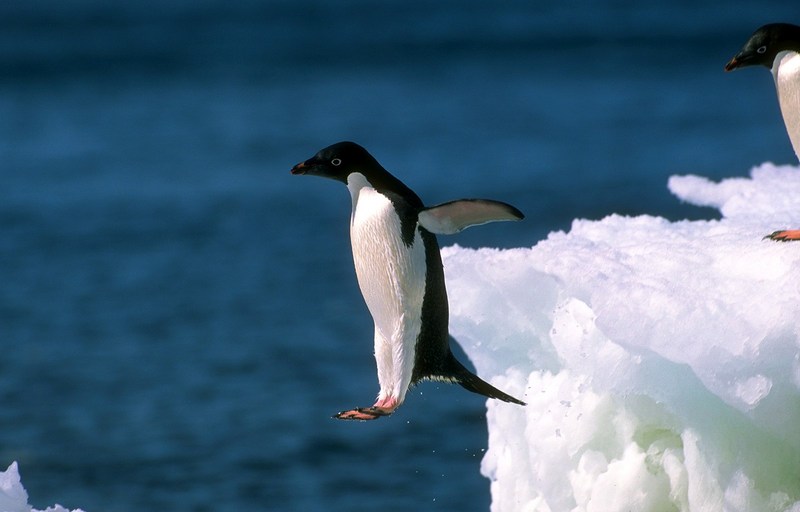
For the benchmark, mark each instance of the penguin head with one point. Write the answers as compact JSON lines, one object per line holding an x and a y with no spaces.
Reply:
{"x":765,"y":44}
{"x":344,"y":160}
{"x":338,"y":161}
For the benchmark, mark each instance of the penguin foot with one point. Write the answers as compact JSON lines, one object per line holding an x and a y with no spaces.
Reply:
{"x":364,"y":413}
{"x":786,"y":235}
{"x":383,"y":407}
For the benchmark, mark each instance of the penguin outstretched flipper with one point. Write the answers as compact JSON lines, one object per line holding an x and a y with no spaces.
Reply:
{"x":454,"y":216}
{"x":471,"y":382}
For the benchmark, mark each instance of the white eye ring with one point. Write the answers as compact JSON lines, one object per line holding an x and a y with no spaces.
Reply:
{"x":336,"y":162}
{"x":762,"y":49}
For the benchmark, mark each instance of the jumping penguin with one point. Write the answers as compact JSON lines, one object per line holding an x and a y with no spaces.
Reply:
{"x":777,"y":47}
{"x":400,"y":273}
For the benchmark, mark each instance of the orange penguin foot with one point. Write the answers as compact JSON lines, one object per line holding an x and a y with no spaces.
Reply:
{"x":786,"y":235}
{"x":383,"y":407}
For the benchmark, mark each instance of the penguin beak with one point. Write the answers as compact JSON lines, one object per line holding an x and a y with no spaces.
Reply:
{"x":301,"y":168}
{"x":739,"y":60}
{"x":732,"y":64}
{"x":315,"y":167}
{"x":312,"y":167}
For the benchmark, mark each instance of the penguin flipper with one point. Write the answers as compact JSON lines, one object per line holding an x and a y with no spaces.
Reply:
{"x":786,"y":235}
{"x":472,"y":382}
{"x":454,"y":216}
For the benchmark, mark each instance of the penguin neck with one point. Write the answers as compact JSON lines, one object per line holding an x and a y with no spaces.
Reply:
{"x":785,"y":62}
{"x":786,"y":72}
{"x":355,"y":182}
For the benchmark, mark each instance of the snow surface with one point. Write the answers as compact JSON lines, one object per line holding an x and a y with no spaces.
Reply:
{"x":14,"y":498}
{"x":660,"y":360}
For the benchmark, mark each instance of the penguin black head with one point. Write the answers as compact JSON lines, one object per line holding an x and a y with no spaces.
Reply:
{"x":341,"y":160}
{"x":765,"y":44}
{"x":338,"y":161}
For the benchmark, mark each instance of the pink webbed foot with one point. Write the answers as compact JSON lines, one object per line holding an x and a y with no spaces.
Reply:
{"x":383,"y":407}
{"x":362,"y":414}
{"x":787,"y":235}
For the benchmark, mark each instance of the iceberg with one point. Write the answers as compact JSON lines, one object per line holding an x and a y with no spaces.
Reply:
{"x":14,"y":498}
{"x":660,"y":360}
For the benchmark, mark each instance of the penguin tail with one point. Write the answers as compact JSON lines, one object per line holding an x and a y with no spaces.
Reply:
{"x":471,"y":382}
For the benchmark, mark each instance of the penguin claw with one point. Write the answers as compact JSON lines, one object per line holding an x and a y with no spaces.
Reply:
{"x":787,"y":235}
{"x":363,"y":413}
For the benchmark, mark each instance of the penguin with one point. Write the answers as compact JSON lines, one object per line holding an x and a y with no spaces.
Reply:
{"x":399,"y":270}
{"x":777,"y":47}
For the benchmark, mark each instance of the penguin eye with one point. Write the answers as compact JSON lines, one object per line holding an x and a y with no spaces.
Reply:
{"x":336,"y":162}
{"x":762,"y":49}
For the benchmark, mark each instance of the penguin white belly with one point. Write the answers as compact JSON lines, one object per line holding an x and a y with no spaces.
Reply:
{"x":391,"y":276}
{"x":786,"y":71}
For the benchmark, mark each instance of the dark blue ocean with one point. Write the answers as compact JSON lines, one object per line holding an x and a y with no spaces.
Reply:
{"x":179,"y":316}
